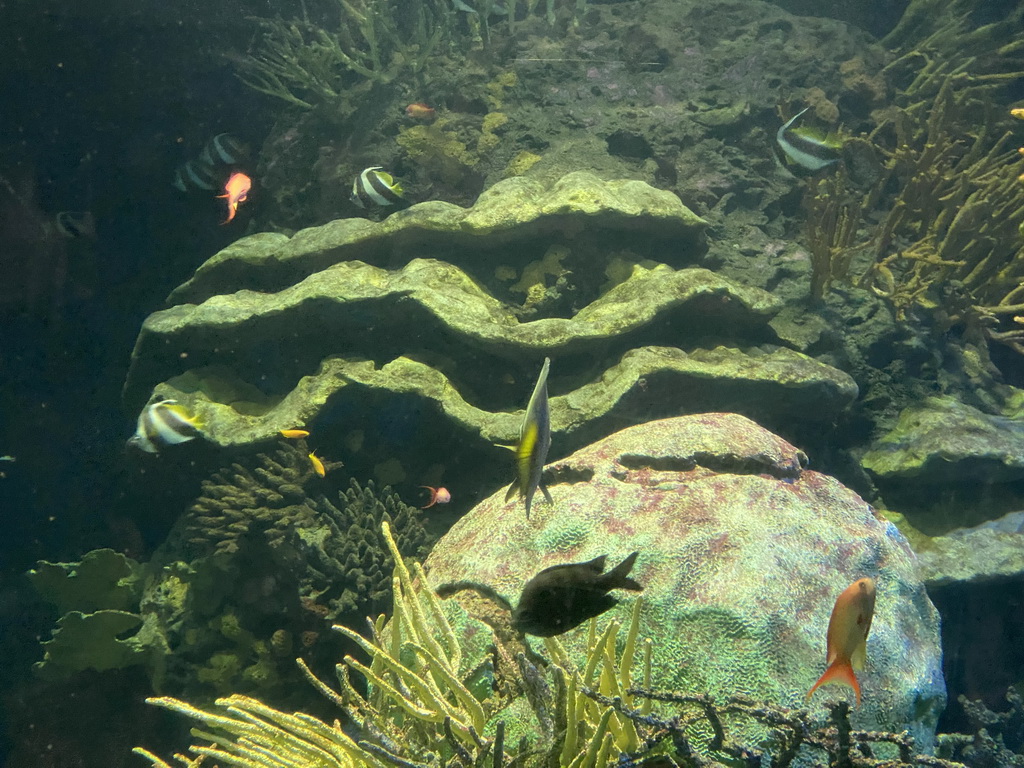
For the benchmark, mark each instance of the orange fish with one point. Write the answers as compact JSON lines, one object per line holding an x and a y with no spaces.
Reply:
{"x":294,"y":434}
{"x":237,"y":191}
{"x":318,"y":465}
{"x":437,"y":496}
{"x":848,"y":635}
{"x":420,"y":111}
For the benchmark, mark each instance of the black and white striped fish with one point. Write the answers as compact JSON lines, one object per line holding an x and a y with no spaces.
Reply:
{"x":212,"y":167}
{"x":375,"y":186}
{"x":805,"y":148}
{"x":164,"y":423}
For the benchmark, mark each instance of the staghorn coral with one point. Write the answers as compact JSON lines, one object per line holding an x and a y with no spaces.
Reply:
{"x":998,"y":741}
{"x":306,"y":65}
{"x":949,"y":242}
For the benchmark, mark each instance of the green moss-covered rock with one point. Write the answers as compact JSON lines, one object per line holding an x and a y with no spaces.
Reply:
{"x":990,"y":552}
{"x":742,"y":554}
{"x":945,"y":441}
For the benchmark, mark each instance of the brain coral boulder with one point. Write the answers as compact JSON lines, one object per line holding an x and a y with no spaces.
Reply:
{"x":743,"y":552}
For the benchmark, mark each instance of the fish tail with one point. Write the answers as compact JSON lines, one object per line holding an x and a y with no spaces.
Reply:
{"x":618,"y":577}
{"x":841,"y":672}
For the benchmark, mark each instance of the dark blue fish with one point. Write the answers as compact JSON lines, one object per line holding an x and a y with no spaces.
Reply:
{"x":562,"y":597}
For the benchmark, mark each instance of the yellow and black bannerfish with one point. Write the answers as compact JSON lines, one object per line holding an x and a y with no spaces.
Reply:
{"x":212,"y":166}
{"x":805,"y":148}
{"x":534,"y":442}
{"x":375,"y":186}
{"x":163,"y":423}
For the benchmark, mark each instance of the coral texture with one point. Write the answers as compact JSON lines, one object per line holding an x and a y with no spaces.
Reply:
{"x":742,"y":553}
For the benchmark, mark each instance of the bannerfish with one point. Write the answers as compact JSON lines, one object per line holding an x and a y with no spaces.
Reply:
{"x":224,"y":149}
{"x":375,"y":186}
{"x":195,"y":174}
{"x":806,"y":149}
{"x":164,"y":423}
{"x":534,"y":442}
{"x":212,"y":166}
{"x":847,"y":638}
{"x":438,"y":495}
{"x":235,"y":191}
{"x":562,"y":597}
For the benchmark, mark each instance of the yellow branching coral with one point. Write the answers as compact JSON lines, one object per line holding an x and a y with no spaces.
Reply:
{"x":422,"y":707}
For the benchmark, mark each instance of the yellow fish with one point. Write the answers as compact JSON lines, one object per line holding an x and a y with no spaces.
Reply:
{"x":318,"y":465}
{"x":847,"y":638}
{"x":1018,"y":112}
{"x":534,"y":442}
{"x":294,"y":434}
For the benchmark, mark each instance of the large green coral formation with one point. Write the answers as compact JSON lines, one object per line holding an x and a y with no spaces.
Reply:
{"x":742,"y":554}
{"x":333,"y":548}
{"x":507,"y":217}
{"x":362,"y":337}
{"x":99,"y":625}
{"x":943,"y":440}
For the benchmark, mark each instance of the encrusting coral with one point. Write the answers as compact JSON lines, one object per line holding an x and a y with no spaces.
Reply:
{"x":424,"y":707}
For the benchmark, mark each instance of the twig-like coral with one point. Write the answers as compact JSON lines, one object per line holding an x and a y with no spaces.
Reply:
{"x":306,"y":65}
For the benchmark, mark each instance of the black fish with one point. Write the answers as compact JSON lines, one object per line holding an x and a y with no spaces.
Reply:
{"x":562,"y":597}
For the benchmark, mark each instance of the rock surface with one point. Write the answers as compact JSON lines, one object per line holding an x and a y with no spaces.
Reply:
{"x":742,"y":554}
{"x":992,"y":551}
{"x":945,"y":441}
{"x":414,"y":322}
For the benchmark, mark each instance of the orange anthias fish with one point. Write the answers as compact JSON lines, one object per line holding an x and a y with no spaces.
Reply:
{"x":236,"y":191}
{"x":420,"y":111}
{"x":848,"y":635}
{"x":437,"y":496}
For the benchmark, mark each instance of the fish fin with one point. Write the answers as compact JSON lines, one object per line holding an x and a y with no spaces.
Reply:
{"x":597,"y":564}
{"x":859,"y":655}
{"x":511,"y":490}
{"x":618,"y":577}
{"x":839,"y":672}
{"x":547,"y":496}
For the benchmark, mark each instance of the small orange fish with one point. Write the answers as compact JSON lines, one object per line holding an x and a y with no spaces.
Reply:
{"x":848,"y":635}
{"x":420,"y":111}
{"x":237,"y":191}
{"x":294,"y":434}
{"x":438,"y":495}
{"x":318,"y":465}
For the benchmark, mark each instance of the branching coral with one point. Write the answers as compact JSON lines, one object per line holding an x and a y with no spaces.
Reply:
{"x":950,"y":240}
{"x":334,"y":547}
{"x":998,"y":739}
{"x":305,"y":64}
